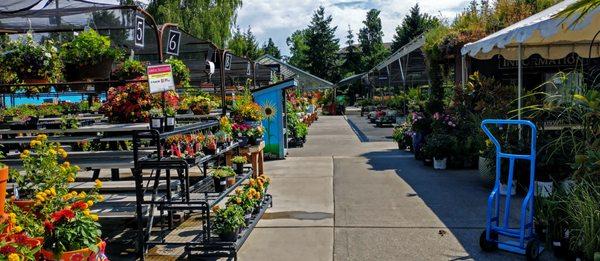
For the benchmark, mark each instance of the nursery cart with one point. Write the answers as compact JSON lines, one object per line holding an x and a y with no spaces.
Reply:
{"x":498,"y":232}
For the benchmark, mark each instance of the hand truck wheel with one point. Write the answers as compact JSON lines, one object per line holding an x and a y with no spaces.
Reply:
{"x":488,"y":246}
{"x":533,"y":250}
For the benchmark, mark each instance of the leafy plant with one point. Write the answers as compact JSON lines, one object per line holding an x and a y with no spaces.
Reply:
{"x":229,"y":219}
{"x":583,"y":214}
{"x":181,"y":73}
{"x":89,"y":48}
{"x":128,"y":103}
{"x":129,"y":69}
{"x":223,"y":172}
{"x":69,"y":122}
{"x":440,"y":145}
{"x":246,"y":199}
{"x":72,"y":229}
{"x":239,"y":160}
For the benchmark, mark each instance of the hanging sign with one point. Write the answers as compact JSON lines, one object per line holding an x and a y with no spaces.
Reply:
{"x":173,"y":42}
{"x":228,"y":59}
{"x":248,"y":69}
{"x":160,"y":78}
{"x":140,"y":24}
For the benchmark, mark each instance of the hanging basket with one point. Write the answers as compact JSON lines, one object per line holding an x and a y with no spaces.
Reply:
{"x":85,"y":72}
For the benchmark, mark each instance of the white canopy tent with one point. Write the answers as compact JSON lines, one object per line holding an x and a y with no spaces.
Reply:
{"x":544,"y":34}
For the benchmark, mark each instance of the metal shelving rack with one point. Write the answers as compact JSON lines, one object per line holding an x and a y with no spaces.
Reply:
{"x":182,"y":196}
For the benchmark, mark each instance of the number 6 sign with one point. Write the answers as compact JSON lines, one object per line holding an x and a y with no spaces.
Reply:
{"x":173,"y":42}
{"x":140,"y":24}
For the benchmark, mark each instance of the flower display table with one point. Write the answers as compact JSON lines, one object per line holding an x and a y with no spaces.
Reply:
{"x":255,"y":155}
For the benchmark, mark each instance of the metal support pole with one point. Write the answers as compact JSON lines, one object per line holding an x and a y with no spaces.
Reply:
{"x":463,"y":70}
{"x":520,"y":85}
{"x":222,"y":76}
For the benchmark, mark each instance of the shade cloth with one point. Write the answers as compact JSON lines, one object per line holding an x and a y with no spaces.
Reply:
{"x":543,"y":33}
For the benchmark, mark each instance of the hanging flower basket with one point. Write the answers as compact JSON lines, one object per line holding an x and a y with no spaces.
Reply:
{"x":84,"y":72}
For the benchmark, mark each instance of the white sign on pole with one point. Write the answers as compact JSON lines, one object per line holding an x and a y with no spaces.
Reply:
{"x":160,"y":78}
{"x":140,"y":24}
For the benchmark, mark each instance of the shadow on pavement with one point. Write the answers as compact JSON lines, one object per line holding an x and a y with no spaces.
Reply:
{"x":457,"y":197}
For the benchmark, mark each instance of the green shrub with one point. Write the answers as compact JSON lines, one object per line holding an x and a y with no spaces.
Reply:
{"x":89,"y":48}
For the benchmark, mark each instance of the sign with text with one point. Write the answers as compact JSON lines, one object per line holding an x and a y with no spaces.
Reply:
{"x":173,"y":42}
{"x":160,"y":78}
{"x":228,"y":59}
{"x":140,"y":24}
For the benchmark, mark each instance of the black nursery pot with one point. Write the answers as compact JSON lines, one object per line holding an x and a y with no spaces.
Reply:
{"x":229,"y":237}
{"x":169,"y":123}
{"x":157,"y":123}
{"x":220,"y":184}
{"x":243,"y":141}
{"x":239,"y":168}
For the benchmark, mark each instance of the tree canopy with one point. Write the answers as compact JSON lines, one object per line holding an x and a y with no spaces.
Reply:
{"x":371,"y":40}
{"x":298,"y":49}
{"x":271,"y":49}
{"x":323,"y":47}
{"x":414,"y":24}
{"x":352,"y":57}
{"x":208,"y":20}
{"x":244,"y":44}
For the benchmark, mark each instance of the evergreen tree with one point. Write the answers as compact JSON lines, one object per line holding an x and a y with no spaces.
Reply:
{"x":244,"y":44}
{"x":271,"y":49}
{"x":298,"y":49}
{"x":208,"y":20}
{"x":414,"y":24}
{"x":371,"y":40}
{"x":352,"y":56}
{"x":323,"y":46}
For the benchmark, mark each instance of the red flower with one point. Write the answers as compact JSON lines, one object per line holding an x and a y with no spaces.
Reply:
{"x":24,"y":240}
{"x":8,"y":249}
{"x":79,"y":205}
{"x":65,"y":214}
{"x":48,"y":226}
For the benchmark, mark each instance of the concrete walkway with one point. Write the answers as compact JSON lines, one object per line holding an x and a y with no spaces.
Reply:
{"x":342,"y":199}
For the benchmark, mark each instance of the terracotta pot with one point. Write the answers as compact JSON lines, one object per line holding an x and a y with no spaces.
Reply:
{"x":3,"y":181}
{"x":24,"y":204}
{"x":230,"y":181}
{"x":81,"y":254}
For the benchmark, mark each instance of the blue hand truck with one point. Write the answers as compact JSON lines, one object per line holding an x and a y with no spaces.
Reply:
{"x":521,"y":240}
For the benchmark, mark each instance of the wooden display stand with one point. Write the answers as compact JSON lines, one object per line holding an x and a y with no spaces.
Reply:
{"x":254,"y":154}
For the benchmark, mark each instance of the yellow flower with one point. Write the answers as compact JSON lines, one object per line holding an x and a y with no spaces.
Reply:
{"x":98,"y":183}
{"x":77,"y":168}
{"x":63,"y":154}
{"x":34,"y":143}
{"x":73,"y":193}
{"x":86,"y":212}
{"x":94,"y":217}
{"x":25,"y":154}
{"x":42,"y":137}
{"x":66,"y":164}
{"x":70,"y":179}
{"x":17,"y":229}
{"x":238,"y":201}
{"x":52,"y":152}
{"x":13,"y":218}
{"x":90,"y":203}
{"x":82,"y":194}
{"x":238,"y":191}
{"x":100,"y":198}
{"x":53,"y":191}
{"x":14,"y":257}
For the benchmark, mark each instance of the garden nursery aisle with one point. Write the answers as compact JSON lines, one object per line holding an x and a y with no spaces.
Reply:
{"x":341,"y":199}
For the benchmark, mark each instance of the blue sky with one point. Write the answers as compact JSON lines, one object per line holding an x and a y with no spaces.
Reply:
{"x":279,"y":18}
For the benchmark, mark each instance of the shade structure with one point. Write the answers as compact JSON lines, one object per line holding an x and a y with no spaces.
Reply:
{"x":545,"y":34}
{"x":306,"y":81}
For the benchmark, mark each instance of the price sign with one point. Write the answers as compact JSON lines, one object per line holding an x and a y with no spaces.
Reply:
{"x":228,"y":59}
{"x":173,"y":42}
{"x":160,"y":78}
{"x":140,"y":24}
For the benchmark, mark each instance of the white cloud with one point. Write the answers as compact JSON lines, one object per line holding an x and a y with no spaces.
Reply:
{"x":278,"y":19}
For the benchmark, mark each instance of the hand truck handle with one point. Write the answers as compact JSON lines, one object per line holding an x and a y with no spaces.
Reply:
{"x":500,"y":122}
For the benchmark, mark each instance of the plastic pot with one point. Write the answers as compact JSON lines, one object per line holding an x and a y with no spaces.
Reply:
{"x":239,"y":168}
{"x":157,"y":123}
{"x":81,"y":254}
{"x":169,"y":123}
{"x":220,"y":184}
{"x":230,"y":236}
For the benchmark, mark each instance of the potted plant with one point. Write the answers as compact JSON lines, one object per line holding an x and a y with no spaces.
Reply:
{"x":157,"y":119}
{"x":42,"y":171}
{"x":210,"y":145}
{"x":220,"y":176}
{"x":129,"y":69}
{"x":89,"y":56}
{"x":239,"y":162}
{"x":15,"y":244}
{"x":181,"y":73}
{"x":199,"y":105}
{"x":31,"y":62}
{"x":170,"y":119}
{"x":439,"y":146}
{"x":128,"y":103}
{"x":246,"y":199}
{"x":228,"y":222}
{"x":240,"y":130}
{"x":255,"y":135}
